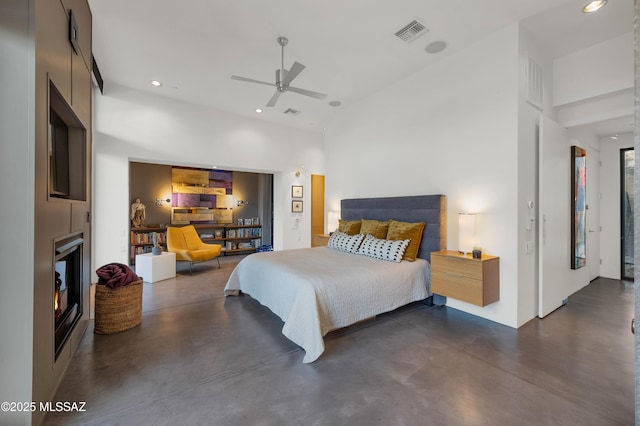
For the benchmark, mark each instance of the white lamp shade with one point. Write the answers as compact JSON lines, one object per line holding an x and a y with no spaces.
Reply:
{"x":332,"y":221}
{"x":466,"y":232}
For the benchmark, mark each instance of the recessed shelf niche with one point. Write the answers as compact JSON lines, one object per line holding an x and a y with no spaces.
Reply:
{"x":67,"y":150}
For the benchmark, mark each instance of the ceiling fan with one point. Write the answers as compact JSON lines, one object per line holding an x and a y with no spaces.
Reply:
{"x":283,"y":79}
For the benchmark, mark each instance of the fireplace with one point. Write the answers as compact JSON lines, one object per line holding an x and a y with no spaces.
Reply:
{"x":67,"y":288}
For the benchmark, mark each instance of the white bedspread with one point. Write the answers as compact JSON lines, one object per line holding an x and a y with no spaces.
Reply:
{"x":317,"y":290}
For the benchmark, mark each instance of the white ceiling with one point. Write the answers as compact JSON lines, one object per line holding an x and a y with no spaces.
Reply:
{"x":348,"y":47}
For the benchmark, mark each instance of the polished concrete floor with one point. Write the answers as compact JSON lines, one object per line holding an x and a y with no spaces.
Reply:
{"x":199,"y":358}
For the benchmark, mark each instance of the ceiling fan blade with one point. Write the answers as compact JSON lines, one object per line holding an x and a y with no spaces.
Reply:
{"x":307,"y":92}
{"x":274,"y":99}
{"x":296,"y":69}
{"x":250,"y":80}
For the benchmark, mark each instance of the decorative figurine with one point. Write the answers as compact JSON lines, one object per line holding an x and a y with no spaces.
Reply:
{"x":156,"y":250}
{"x":138,"y":214}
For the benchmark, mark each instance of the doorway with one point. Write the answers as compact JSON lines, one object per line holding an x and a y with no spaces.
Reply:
{"x":627,"y":167}
{"x":317,"y":207}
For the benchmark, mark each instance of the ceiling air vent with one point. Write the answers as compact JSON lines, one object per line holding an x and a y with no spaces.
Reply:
{"x":291,"y":111}
{"x":411,"y":31}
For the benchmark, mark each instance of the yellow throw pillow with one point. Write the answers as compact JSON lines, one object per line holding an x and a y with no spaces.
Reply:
{"x":374,"y":227}
{"x":407,"y":230}
{"x":349,"y":227}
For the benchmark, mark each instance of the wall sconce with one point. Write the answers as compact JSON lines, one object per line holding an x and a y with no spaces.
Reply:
{"x":332,"y":221}
{"x":241,"y":203}
{"x":160,"y":202}
{"x":299,"y":170}
{"x":224,"y":201}
{"x":466,"y":232}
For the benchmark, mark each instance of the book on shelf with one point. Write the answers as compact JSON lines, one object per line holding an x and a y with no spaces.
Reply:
{"x":147,"y":237}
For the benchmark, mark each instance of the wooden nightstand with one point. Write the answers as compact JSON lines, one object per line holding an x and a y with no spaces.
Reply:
{"x":320,"y":240}
{"x":463,"y":278}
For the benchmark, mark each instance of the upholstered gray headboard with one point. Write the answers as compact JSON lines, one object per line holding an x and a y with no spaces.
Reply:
{"x":431,"y":209}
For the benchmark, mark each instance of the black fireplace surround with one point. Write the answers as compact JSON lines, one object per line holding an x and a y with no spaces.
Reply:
{"x":67,"y":286}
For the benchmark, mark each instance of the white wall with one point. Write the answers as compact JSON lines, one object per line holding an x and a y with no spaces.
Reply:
{"x":601,"y":69}
{"x":17,"y":115}
{"x":610,"y":203}
{"x":527,"y":203}
{"x":450,"y":129}
{"x":131,"y":125}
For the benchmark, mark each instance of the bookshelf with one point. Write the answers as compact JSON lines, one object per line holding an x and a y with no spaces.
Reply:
{"x":141,"y":241}
{"x":234,"y":238}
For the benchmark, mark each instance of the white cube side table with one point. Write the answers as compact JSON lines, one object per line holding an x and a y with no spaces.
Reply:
{"x":152,"y":268}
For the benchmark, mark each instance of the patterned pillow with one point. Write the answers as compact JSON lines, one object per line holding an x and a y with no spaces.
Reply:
{"x":383,"y":249}
{"x":374,"y":227}
{"x":350,"y":227}
{"x":343,"y":242}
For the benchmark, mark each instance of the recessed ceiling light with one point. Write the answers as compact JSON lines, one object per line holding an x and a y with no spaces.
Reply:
{"x":615,"y":136}
{"x":335,"y":103}
{"x":594,"y":5}
{"x":155,"y":83}
{"x":436,"y":46}
{"x":258,"y":110}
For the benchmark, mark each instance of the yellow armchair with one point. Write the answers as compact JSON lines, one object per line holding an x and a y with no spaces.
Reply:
{"x":187,"y":245}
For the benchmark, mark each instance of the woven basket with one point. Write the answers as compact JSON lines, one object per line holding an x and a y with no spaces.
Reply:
{"x":118,"y":309}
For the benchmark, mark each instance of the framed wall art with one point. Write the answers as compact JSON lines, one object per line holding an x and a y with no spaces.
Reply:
{"x":578,"y":207}
{"x":296,"y":206}
{"x":296,"y":191}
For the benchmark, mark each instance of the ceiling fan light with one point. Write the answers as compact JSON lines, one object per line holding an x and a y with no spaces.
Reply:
{"x":283,"y":79}
{"x":594,"y":5}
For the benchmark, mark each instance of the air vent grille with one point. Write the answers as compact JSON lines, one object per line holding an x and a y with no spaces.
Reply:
{"x":535,"y":83}
{"x":411,"y":31}
{"x":291,"y":111}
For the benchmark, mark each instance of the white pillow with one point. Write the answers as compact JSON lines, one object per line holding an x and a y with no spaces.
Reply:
{"x":344,"y":242}
{"x":391,"y":250}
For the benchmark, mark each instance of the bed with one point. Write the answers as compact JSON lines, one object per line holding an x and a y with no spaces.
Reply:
{"x":317,"y":290}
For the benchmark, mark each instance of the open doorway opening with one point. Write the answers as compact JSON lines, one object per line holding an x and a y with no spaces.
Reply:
{"x":230,"y":208}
